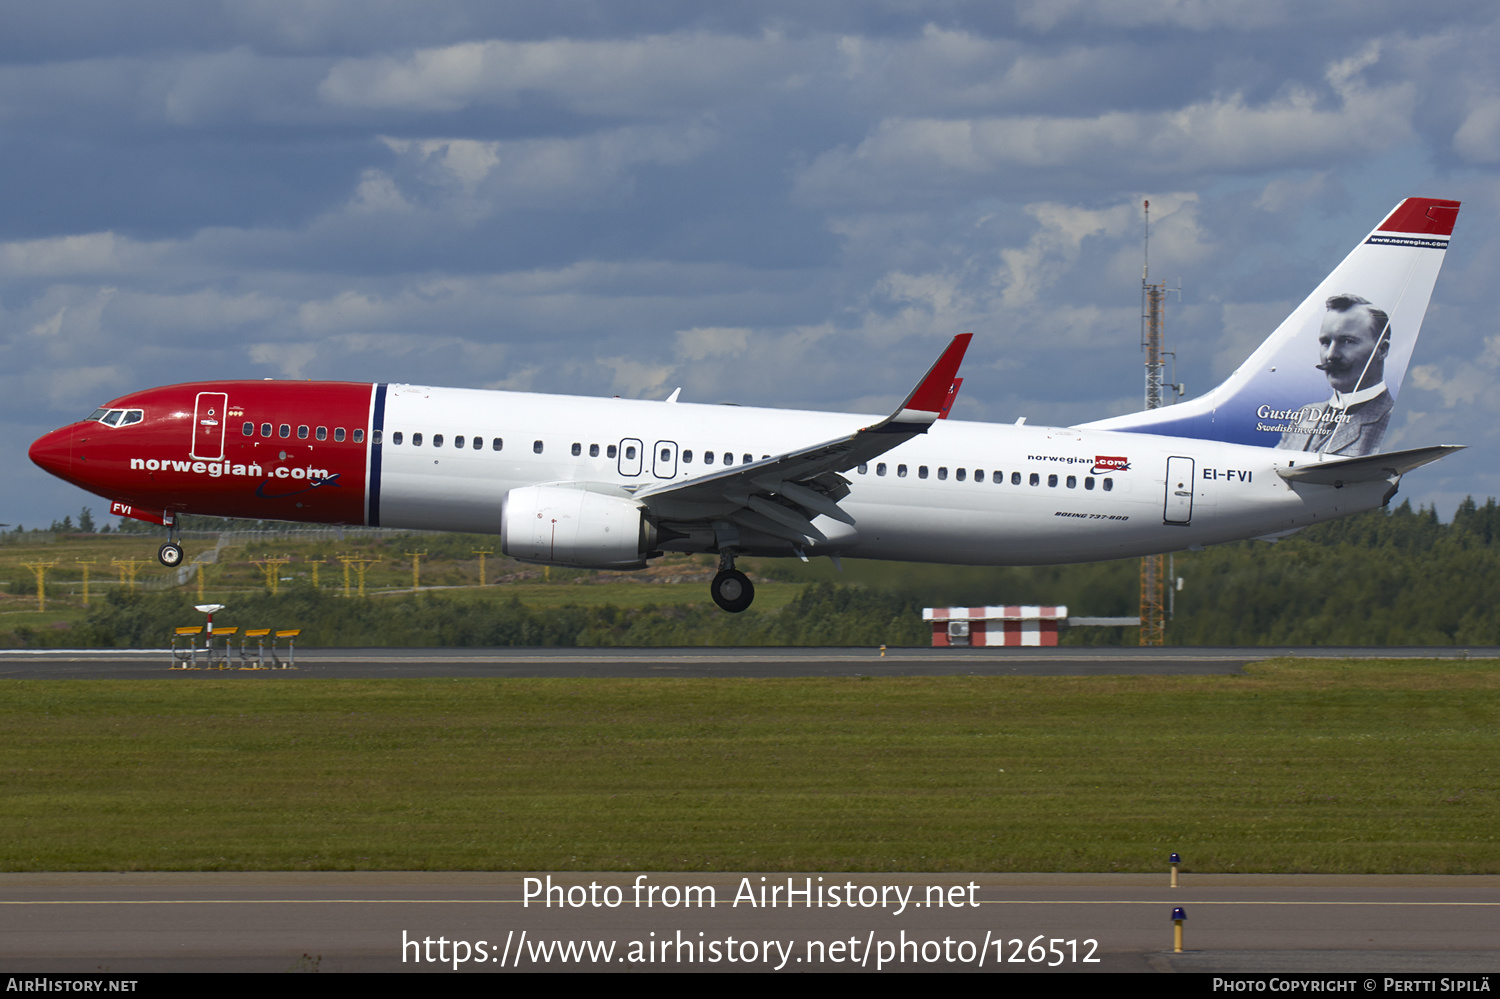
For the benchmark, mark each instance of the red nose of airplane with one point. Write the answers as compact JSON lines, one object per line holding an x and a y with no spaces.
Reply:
{"x":54,"y":452}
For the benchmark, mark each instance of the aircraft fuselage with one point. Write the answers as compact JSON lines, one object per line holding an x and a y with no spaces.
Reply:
{"x":416,"y":457}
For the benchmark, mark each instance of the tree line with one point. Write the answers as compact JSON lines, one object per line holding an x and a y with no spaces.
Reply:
{"x":1388,"y":577}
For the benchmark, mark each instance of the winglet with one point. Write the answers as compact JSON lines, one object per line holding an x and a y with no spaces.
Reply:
{"x":932,"y":391}
{"x":952,"y":395}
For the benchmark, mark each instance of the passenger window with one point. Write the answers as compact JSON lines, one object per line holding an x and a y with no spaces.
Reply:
{"x":687,"y":457}
{"x":880,"y":468}
{"x":338,"y":433}
{"x":1015,"y":479}
{"x":1036,"y":479}
{"x":962,"y":474}
{"x":396,"y":437}
{"x":666,"y":454}
{"x":437,"y":440}
{"x":302,"y":433}
{"x":248,"y":430}
{"x":942,"y":471}
{"x":1109,"y":484}
{"x":478,"y":443}
{"x":536,"y":447}
{"x":359,"y":436}
{"x":708,"y":457}
{"x":1052,"y":481}
{"x":322,"y":433}
{"x":265,"y":430}
{"x":921,"y":471}
{"x":611,"y":451}
{"x":578,"y":450}
{"x":900,"y":471}
{"x":458,"y":441}
{"x":978,"y":474}
{"x":497,"y":444}
{"x":630,"y":453}
{"x":285,"y":430}
{"x":1088,"y":483}
{"x":594,"y":452}
{"x":416,"y":440}
{"x":1072,"y":482}
{"x":863,"y":469}
{"x":745,"y":459}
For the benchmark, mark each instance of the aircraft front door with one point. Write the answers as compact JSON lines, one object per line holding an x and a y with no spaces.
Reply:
{"x":209,"y":417}
{"x":632,"y":454}
{"x":664,"y":459}
{"x":1179,"y":504}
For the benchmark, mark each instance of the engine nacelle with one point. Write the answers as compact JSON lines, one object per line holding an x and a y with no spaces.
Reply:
{"x":570,"y":526}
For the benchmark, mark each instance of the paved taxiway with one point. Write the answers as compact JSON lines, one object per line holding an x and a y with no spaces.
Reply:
{"x":683,"y":662}
{"x":130,"y":923}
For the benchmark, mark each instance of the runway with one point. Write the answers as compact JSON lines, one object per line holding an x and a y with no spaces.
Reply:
{"x":445,"y":922}
{"x":112,"y":664}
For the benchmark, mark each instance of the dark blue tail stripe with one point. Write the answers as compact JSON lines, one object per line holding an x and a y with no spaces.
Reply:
{"x":377,"y":431}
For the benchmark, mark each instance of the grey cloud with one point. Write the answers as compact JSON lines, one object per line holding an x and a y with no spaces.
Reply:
{"x":1207,"y":137}
{"x":773,"y":205}
{"x":614,"y":77}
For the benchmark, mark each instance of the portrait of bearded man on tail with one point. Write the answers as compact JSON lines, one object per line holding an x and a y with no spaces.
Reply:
{"x":1352,"y":344}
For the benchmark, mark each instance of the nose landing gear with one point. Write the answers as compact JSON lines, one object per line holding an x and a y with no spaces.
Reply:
{"x":731,"y":589}
{"x":170,"y":554}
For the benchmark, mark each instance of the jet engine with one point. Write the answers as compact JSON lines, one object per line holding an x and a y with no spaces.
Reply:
{"x":569,"y":524}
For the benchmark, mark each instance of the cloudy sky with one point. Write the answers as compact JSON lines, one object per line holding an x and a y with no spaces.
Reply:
{"x":783,"y":204}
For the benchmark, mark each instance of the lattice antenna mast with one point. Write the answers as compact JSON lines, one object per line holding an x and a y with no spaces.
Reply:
{"x":1151,"y":322}
{"x":1153,"y":342}
{"x":1153,"y":569}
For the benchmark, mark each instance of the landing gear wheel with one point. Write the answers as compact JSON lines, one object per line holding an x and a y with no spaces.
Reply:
{"x":170,"y":555}
{"x":732,"y":590}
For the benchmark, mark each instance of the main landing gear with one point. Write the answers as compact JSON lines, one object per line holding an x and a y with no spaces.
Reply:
{"x":731,"y":589}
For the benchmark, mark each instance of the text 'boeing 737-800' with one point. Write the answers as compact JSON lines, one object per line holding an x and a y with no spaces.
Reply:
{"x":1292,"y":438}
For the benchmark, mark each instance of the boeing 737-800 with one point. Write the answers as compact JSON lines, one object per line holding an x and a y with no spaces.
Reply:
{"x":1290,"y":439}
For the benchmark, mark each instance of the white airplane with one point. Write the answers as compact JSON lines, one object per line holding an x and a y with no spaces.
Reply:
{"x":1290,"y":439}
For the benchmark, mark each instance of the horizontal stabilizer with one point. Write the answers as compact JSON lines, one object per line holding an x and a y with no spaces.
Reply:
{"x":1371,"y":466}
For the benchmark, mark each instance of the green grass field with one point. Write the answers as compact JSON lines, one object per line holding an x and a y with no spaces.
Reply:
{"x":1300,"y":766}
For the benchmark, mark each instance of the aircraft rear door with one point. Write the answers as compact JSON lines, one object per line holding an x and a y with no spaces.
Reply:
{"x":209,"y":416}
{"x":1179,"y":504}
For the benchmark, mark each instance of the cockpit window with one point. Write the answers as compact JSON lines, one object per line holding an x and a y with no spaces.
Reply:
{"x":117,"y":417}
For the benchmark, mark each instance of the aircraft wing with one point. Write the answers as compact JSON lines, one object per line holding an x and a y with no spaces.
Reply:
{"x":782,"y":494}
{"x":1370,"y":466}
